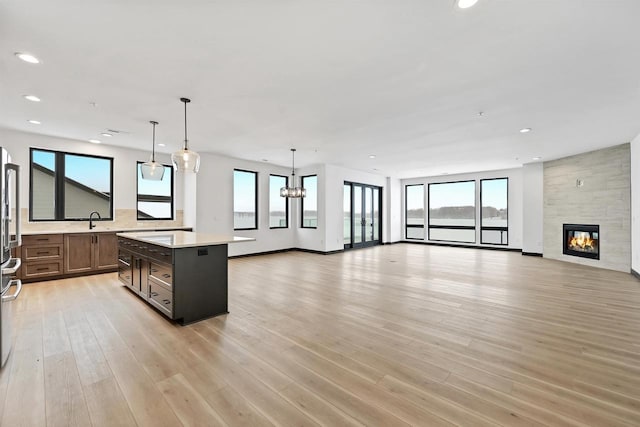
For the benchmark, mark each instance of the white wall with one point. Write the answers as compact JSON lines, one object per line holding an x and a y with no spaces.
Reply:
{"x":515,"y":200}
{"x":394,"y":215}
{"x":532,"y":208}
{"x":215,"y":204}
{"x":124,"y":163}
{"x":635,"y":204}
{"x":335,"y":177}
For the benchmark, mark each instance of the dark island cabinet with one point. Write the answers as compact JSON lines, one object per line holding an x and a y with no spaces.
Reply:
{"x":184,"y":284}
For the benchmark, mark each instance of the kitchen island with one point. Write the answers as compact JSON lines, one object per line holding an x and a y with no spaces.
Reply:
{"x":181,"y":273}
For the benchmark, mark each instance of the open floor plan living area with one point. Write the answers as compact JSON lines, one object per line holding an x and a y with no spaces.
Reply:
{"x":276,"y":213}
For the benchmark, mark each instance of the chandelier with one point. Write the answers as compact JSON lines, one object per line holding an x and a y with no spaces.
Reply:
{"x":293,"y":192}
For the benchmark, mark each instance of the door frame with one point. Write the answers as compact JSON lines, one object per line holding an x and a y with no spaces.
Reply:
{"x":372,"y":242}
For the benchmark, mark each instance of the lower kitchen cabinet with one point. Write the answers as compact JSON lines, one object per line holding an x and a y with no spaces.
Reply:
{"x":86,"y":252}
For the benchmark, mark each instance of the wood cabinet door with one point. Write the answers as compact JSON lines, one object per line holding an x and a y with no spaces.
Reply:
{"x":78,"y":252}
{"x":106,"y":251}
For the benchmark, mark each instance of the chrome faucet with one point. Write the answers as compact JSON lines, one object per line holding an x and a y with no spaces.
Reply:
{"x":91,"y":224}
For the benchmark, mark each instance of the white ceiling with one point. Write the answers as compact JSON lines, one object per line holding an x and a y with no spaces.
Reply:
{"x":339,"y":80}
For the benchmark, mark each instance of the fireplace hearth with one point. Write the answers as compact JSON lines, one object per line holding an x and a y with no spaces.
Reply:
{"x":581,"y":240}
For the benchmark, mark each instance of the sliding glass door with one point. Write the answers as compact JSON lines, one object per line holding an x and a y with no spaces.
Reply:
{"x":362,"y":222}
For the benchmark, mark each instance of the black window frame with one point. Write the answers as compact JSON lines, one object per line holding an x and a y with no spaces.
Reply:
{"x":286,"y":202}
{"x":59,"y":180}
{"x":501,"y":229}
{"x":155,"y":198}
{"x":302,"y":178}
{"x":255,"y":175}
{"x":406,"y":223}
{"x":453,"y":227}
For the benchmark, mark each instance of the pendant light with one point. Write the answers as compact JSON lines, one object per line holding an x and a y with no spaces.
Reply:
{"x":185,"y":159}
{"x":293,"y":192}
{"x":152,"y":170}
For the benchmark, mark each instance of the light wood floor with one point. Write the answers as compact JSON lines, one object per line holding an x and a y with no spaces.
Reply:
{"x":394,"y":335}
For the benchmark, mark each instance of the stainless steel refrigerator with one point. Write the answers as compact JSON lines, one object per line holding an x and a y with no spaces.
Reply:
{"x":11,"y":238}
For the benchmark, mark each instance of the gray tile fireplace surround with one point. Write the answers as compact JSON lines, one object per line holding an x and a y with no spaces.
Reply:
{"x":590,"y":188}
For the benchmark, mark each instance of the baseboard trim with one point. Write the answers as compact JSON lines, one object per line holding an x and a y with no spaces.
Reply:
{"x":312,"y":251}
{"x":455,"y":245}
{"x":531,"y":254}
{"x":393,"y":243}
{"x":279,"y":251}
{"x":635,"y":274}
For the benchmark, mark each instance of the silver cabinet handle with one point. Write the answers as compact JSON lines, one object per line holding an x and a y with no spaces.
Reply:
{"x":17,"y":262}
{"x":7,"y":298}
{"x":18,"y":240}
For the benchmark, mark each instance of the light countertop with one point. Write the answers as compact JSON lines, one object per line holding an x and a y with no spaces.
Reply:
{"x":184,"y":239}
{"x":101,"y":229}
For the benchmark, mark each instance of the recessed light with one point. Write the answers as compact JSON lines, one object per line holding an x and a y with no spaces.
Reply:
{"x":162,"y":145}
{"x":372,"y":156}
{"x":32,"y":98}
{"x":108,"y":135}
{"x":34,"y":122}
{"x":537,"y":158}
{"x":26,"y":57}
{"x":525,"y":130}
{"x":265,"y":160}
{"x":95,"y":141}
{"x":465,"y":4}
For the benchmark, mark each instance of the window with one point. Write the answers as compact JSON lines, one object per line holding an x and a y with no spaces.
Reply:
{"x":65,"y":186}
{"x":452,"y":211}
{"x":414,"y":211}
{"x":245,"y":200}
{"x":278,"y":205}
{"x":309,"y":205}
{"x":155,"y":198}
{"x":494,"y":222}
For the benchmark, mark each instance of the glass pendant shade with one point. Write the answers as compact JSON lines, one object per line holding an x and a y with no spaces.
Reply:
{"x":152,"y":170}
{"x":293,"y":192}
{"x":185,"y":159}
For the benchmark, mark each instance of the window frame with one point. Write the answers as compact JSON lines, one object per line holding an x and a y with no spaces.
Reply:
{"x":453,"y":227}
{"x":255,"y":176}
{"x":286,"y":202}
{"x":59,"y":181}
{"x":406,"y":222}
{"x":170,"y":167}
{"x":302,"y":202}
{"x":494,"y":228}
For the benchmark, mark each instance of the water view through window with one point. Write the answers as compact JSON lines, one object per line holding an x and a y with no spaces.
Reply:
{"x":245,"y":200}
{"x":414,"y":211}
{"x":494,"y":221}
{"x":310,"y":202}
{"x":278,"y":205}
{"x":452,"y":211}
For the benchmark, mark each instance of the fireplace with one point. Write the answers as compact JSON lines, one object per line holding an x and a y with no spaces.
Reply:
{"x":581,"y":240}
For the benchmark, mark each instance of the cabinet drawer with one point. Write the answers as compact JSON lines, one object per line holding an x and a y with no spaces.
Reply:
{"x":42,"y":269}
{"x":162,"y":273}
{"x":41,"y":239}
{"x":125,"y":273}
{"x":160,"y":253}
{"x":31,"y":253}
{"x":161,"y":298}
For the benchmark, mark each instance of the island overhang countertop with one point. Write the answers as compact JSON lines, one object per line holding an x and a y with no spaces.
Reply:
{"x":183,"y":239}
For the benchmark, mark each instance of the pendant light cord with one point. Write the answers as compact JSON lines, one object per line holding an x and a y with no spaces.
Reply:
{"x":293,"y":165}
{"x":153,"y":147}
{"x":186,"y":141}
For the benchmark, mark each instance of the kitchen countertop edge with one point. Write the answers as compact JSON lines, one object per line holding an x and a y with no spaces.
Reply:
{"x":184,"y":239}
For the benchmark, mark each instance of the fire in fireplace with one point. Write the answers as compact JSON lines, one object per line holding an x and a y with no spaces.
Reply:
{"x":581,"y":240}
